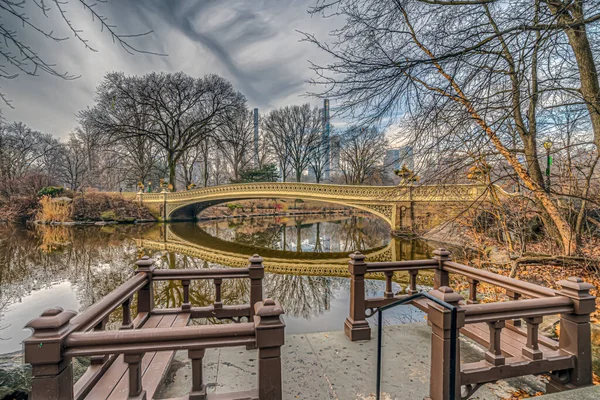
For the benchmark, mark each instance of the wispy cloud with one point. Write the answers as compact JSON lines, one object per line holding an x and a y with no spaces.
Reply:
{"x":252,"y":43}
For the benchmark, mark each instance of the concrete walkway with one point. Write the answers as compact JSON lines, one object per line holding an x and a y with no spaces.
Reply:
{"x":591,"y":393}
{"x":328,"y":366}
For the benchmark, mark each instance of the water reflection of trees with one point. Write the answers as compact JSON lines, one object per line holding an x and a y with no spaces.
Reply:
{"x":169,"y":294}
{"x":302,"y":296}
{"x":93,"y":259}
{"x":305,"y":233}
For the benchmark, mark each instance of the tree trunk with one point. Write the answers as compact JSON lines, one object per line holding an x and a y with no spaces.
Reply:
{"x":172,"y":171}
{"x":588,"y":74}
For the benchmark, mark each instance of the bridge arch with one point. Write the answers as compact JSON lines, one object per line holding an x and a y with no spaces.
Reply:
{"x":394,"y":204}
{"x":189,"y":211}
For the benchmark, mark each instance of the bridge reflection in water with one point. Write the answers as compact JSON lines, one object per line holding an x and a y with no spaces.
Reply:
{"x":306,"y":261}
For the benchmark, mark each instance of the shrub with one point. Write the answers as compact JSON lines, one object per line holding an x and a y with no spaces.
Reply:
{"x":108,"y":216}
{"x":53,"y":211}
{"x":98,"y":206}
{"x":18,"y":208}
{"x":51,"y":191}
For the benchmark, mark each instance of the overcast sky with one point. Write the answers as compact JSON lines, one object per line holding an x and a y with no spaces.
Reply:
{"x":253,"y":43}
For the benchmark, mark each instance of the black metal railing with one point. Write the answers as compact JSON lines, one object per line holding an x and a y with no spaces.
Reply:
{"x":453,"y":337}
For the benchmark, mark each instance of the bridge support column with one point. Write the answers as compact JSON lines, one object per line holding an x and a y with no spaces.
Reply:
{"x":403,"y":217}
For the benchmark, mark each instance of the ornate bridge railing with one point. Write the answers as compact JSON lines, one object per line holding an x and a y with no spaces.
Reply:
{"x":394,"y":204}
{"x":457,"y":192}
{"x":131,"y":361}
{"x":511,"y":351}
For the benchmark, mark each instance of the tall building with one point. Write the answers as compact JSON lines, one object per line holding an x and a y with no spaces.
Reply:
{"x":335,"y":155}
{"x":256,"y":158}
{"x":325,"y":138}
{"x":395,"y":159}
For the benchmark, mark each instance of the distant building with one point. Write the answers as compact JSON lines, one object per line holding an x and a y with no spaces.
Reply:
{"x":255,"y":122}
{"x":325,"y":137}
{"x":395,"y":159}
{"x":335,"y":148}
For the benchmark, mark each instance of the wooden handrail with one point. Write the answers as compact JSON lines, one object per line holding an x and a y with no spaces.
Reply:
{"x":100,"y":310}
{"x":192,"y":274}
{"x":158,"y":339}
{"x":102,"y":338}
{"x":515,"y":285}
{"x":509,"y":310}
{"x":410,"y":265}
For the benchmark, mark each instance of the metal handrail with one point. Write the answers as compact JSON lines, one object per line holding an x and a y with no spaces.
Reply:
{"x":453,"y":336}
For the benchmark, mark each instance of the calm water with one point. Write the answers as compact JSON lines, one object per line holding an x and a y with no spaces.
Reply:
{"x":73,"y":267}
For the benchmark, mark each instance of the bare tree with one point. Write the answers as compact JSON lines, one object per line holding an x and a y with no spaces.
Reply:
{"x":361,"y":155}
{"x":188,"y":165}
{"x":293,"y":133}
{"x":178,"y":111}
{"x":319,"y":161}
{"x":24,"y":150}
{"x":470,"y":70}
{"x":74,"y":167}
{"x":18,"y":20}
{"x":236,"y":140}
{"x":138,"y":157}
{"x":206,"y":148}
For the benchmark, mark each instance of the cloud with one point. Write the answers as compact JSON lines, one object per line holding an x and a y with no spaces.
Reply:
{"x":252,"y":43}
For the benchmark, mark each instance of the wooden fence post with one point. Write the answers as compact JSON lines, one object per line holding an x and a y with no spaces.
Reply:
{"x":52,"y":374}
{"x":575,"y":334}
{"x":257,"y":273}
{"x":440,"y":320}
{"x":270,"y":336}
{"x":356,"y":326}
{"x":146,"y":294}
{"x":441,"y":277}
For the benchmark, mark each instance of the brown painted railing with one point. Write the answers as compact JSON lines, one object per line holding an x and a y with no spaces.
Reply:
{"x":59,"y":335}
{"x":510,"y":350}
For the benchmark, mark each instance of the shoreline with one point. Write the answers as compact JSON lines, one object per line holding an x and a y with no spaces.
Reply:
{"x":198,"y":219}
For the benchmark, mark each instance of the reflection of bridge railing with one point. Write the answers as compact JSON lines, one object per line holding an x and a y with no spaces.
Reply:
{"x":322,"y":267}
{"x":214,"y":250}
{"x":511,"y":351}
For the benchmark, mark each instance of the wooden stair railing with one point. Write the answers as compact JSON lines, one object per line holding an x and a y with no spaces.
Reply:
{"x":511,"y":351}
{"x":60,"y":335}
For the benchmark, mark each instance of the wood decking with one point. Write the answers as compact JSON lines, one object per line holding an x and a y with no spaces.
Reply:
{"x":114,"y":383}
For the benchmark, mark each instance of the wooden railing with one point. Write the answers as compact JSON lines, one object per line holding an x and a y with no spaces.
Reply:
{"x":510,"y":350}
{"x":60,"y":335}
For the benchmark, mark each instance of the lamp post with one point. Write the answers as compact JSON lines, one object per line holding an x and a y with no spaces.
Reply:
{"x":548,"y":146}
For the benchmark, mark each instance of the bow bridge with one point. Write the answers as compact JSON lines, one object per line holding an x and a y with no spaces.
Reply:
{"x":402,"y":207}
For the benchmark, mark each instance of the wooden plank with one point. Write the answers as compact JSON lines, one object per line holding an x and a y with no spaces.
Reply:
{"x":512,"y":342}
{"x":543,"y":340}
{"x":483,"y":372}
{"x":91,"y":377}
{"x":121,"y":390}
{"x":154,"y":374}
{"x":111,"y":378}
